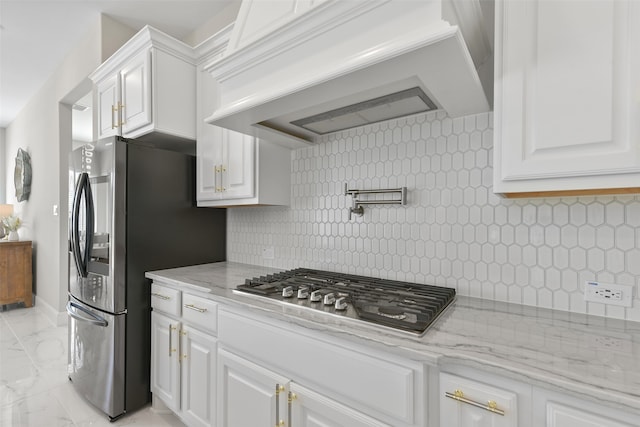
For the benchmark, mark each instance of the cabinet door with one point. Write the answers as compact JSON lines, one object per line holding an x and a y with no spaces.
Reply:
{"x":474,"y":403}
{"x":165,"y":366}
{"x":249,"y":395}
{"x":310,"y":409}
{"x":135,"y":83}
{"x":565,"y":416}
{"x":106,"y":104}
{"x":209,"y":164}
{"x":198,"y":359}
{"x":238,"y":167}
{"x":566,"y":108}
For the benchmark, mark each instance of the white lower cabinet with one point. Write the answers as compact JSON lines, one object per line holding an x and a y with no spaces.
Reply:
{"x":217,"y":365}
{"x":248,"y":394}
{"x":332,"y":382}
{"x":198,"y":376}
{"x":165,"y":368}
{"x":465,"y":402}
{"x":552,"y":409}
{"x":310,"y":409}
{"x":183,"y":360}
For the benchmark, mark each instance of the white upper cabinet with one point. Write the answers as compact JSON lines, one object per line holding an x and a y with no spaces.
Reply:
{"x":148,"y":85}
{"x":567,"y":96}
{"x":107,"y":96}
{"x":135,"y":93}
{"x":234,"y":169}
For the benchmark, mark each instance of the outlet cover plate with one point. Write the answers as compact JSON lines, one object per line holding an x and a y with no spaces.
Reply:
{"x":608,"y":293}
{"x":268,"y":253}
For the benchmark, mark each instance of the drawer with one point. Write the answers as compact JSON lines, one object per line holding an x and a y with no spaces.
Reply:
{"x":359,"y":379}
{"x":165,"y":299}
{"x":200,"y":311}
{"x":463,"y":399}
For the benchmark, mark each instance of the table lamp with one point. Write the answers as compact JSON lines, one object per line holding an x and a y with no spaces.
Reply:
{"x":5,"y":211}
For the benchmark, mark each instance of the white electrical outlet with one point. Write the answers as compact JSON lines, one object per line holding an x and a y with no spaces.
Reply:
{"x":609,"y":293}
{"x":268,"y":253}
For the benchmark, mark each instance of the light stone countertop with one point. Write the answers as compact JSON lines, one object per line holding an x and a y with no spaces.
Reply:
{"x":590,"y":357}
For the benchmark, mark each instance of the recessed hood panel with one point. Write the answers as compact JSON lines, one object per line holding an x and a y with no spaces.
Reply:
{"x":299,"y":66}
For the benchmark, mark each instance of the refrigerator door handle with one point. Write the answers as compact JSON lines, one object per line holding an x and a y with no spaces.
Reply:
{"x":73,"y":310}
{"x":82,"y":260}
{"x":88,"y":241}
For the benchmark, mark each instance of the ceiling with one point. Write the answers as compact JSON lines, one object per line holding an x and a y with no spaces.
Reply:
{"x":36,"y":35}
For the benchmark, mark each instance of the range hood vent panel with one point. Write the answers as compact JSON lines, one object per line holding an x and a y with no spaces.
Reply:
{"x":322,"y":69}
{"x":399,"y":104}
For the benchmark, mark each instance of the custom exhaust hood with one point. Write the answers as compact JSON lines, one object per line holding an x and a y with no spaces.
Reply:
{"x":296,"y":70}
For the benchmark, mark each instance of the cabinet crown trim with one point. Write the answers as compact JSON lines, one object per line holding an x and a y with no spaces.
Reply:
{"x":148,"y":37}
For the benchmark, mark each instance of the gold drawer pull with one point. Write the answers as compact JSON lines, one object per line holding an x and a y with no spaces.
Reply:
{"x":491,"y":405}
{"x":164,"y":297}
{"x":193,"y":307}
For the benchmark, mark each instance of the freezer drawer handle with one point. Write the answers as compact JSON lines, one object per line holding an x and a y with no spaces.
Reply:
{"x":491,"y":405}
{"x":73,"y":308}
{"x":193,"y":307}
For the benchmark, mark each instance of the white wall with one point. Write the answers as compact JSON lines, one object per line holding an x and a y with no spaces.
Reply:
{"x":37,"y":129}
{"x":213,"y":25}
{"x":454,"y":231}
{"x":3,"y":167}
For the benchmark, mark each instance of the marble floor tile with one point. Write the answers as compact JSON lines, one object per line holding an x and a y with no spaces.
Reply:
{"x":34,"y":388}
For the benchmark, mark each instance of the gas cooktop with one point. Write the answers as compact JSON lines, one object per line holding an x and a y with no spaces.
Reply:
{"x":408,"y":307}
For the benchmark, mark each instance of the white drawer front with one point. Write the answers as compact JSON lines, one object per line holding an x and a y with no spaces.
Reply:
{"x":165,"y":299}
{"x":361,"y":380}
{"x":200,"y":311}
{"x":463,"y":400}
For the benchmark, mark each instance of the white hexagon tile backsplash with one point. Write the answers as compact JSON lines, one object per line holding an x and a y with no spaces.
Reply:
{"x":453,"y":231}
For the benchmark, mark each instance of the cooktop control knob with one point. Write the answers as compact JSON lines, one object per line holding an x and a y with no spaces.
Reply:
{"x":287,"y":292}
{"x":329,"y":299}
{"x":316,"y":296}
{"x":303,"y":292}
{"x":341,"y":303}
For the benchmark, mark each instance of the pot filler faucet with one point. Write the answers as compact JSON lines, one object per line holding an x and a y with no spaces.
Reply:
{"x":358,"y":203}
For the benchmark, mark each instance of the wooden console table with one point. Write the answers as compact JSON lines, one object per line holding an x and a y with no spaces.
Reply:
{"x":15,"y":273}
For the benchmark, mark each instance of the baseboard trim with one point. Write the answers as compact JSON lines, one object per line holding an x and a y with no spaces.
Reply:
{"x":59,"y":318}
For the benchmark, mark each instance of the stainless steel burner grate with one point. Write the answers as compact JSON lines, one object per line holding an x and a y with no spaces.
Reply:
{"x":405,"y":306}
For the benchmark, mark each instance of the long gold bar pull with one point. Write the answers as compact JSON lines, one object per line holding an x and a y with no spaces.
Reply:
{"x":195,"y":308}
{"x":223,"y":169}
{"x":218,"y":170}
{"x":171,"y":349}
{"x":121,"y":120}
{"x":279,"y":389}
{"x":491,"y":405}
{"x":114,"y":110}
{"x":292,"y":397}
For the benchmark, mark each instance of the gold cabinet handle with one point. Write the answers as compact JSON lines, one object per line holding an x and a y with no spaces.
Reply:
{"x":279,"y":389}
{"x":292,"y":397}
{"x":164,"y":297}
{"x":171,"y":349}
{"x":114,"y":110}
{"x":193,"y":307}
{"x":218,"y":185}
{"x":491,"y":405}
{"x":215,"y":178}
{"x":121,"y":120}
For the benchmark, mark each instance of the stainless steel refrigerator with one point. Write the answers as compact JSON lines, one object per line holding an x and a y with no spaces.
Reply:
{"x":132,"y":209}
